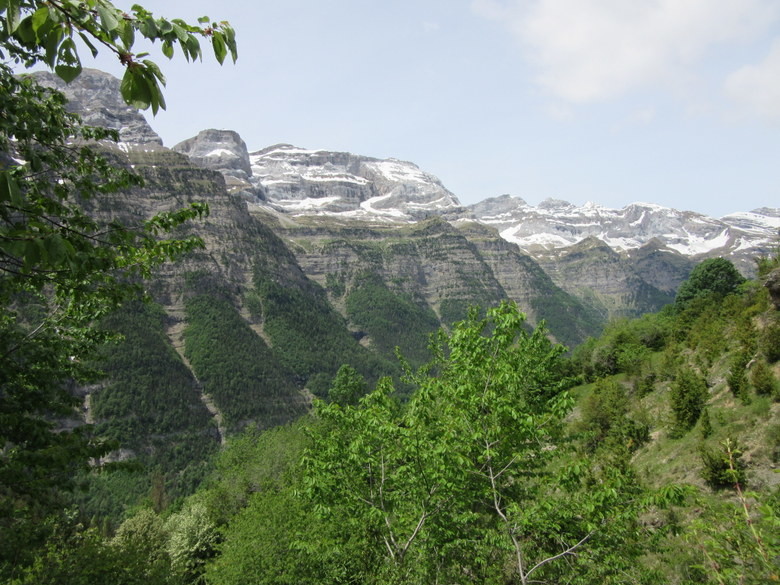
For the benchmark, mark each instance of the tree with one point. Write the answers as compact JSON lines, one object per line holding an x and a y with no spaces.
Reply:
{"x":467,"y":482}
{"x":715,"y":276}
{"x":347,"y":387}
{"x":688,"y":396}
{"x":61,"y":270}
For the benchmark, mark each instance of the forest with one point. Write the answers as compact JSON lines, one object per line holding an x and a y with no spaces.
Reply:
{"x":487,"y":453}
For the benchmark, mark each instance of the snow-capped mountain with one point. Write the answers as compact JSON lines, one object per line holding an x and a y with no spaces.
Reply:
{"x":303,"y":181}
{"x":300,"y":181}
{"x":557,"y":224}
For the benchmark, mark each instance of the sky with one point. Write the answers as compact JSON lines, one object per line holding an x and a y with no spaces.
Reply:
{"x":674,"y":102}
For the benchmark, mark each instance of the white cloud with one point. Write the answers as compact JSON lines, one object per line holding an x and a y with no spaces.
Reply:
{"x":758,"y":86}
{"x":589,"y":50}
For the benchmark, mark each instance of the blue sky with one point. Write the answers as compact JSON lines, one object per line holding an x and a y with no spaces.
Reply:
{"x":675,"y":102}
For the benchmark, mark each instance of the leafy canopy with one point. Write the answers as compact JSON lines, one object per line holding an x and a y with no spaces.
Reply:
{"x":32,"y":31}
{"x":61,"y":269}
{"x":715,"y":276}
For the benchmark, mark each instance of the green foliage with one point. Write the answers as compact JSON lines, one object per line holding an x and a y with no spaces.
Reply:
{"x":252,"y":462}
{"x":769,"y":340}
{"x":60,"y":269}
{"x":623,"y":346}
{"x":76,"y":555}
{"x":142,"y":541}
{"x":715,"y":277}
{"x":453,"y":310}
{"x":236,"y":367}
{"x":149,"y":392}
{"x":192,"y":540}
{"x":310,"y":338}
{"x":763,"y":380}
{"x":347,"y":387}
{"x":705,"y":425}
{"x":687,"y":396}
{"x":739,"y":541}
{"x":390,"y":319}
{"x":724,"y":467}
{"x":605,"y":420}
{"x":737,"y":375}
{"x":34,"y":32}
{"x":459,"y":484}
{"x":253,"y":493}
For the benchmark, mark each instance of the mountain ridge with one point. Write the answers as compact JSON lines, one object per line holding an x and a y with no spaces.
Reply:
{"x":318,"y":182}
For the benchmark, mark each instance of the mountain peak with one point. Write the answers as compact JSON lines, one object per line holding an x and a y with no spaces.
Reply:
{"x":95,"y":96}
{"x":320,"y":182}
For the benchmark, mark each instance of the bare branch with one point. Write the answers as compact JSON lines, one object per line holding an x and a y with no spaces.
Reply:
{"x":568,"y":551}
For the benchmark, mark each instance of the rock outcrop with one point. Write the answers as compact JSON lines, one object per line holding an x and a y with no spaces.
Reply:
{"x":223,"y":151}
{"x":95,"y":96}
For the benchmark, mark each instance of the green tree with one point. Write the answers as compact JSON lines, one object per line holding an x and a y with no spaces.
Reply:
{"x":61,"y":270}
{"x":347,"y":387}
{"x":762,"y":379}
{"x":466,"y":482}
{"x":738,"y":541}
{"x":716,"y":276}
{"x":688,"y":396}
{"x":606,"y":421}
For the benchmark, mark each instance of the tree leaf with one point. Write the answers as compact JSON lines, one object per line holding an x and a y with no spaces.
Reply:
{"x":40,"y":17}
{"x":13,"y":17}
{"x":108,"y":17}
{"x":127,"y":33}
{"x":68,"y":65}
{"x":167,"y":49}
{"x":89,"y":44}
{"x":220,"y":51}
{"x":9,"y":189}
{"x":135,"y":89}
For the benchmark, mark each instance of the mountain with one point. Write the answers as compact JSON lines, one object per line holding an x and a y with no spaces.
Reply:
{"x":556,"y":224}
{"x":319,"y":182}
{"x":314,"y":259}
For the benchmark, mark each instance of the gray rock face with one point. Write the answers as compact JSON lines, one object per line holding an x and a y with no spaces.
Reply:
{"x":319,"y":182}
{"x":223,"y":151}
{"x":95,"y":96}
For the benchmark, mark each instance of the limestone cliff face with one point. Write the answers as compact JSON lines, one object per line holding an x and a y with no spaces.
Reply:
{"x":319,"y":182}
{"x":660,"y":267}
{"x":568,"y":318}
{"x":446,"y":268}
{"x":223,"y":151}
{"x":430,"y":261}
{"x":603,"y":279}
{"x":234,"y":243}
{"x":95,"y":96}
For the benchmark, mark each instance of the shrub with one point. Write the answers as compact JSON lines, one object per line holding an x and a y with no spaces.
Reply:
{"x":762,"y":379}
{"x":723,"y":468}
{"x":769,"y":342}
{"x":737,"y":378}
{"x":688,"y":396}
